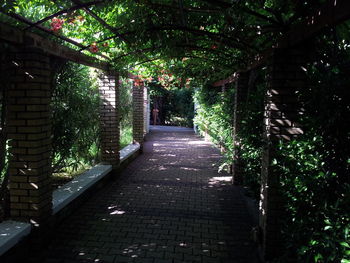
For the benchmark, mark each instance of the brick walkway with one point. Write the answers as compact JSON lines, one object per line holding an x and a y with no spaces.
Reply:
{"x":169,"y":205}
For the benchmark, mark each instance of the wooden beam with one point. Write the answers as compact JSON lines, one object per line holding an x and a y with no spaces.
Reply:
{"x":228,"y":80}
{"x":18,"y":37}
{"x":42,"y":28}
{"x":47,"y":30}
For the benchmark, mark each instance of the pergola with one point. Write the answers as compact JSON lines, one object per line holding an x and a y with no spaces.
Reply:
{"x":29,"y":73}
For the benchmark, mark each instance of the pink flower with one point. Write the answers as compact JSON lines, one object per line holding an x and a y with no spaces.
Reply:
{"x":93,"y":48}
{"x":56,"y":24}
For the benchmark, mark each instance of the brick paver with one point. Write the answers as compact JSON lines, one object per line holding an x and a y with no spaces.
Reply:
{"x":170,"y":205}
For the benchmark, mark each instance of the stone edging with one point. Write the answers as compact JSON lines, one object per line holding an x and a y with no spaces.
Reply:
{"x":12,"y":232}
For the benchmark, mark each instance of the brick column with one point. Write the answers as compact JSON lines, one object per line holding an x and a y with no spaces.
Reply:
{"x":148,"y":112}
{"x":138,"y":112}
{"x":285,"y":78}
{"x":241,"y":93}
{"x":29,"y":132}
{"x":109,"y":119}
{"x":145,"y":111}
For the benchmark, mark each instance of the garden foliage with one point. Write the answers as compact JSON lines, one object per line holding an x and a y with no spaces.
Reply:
{"x":75,"y":104}
{"x":313,"y":169}
{"x":175,"y":104}
{"x":125,"y":98}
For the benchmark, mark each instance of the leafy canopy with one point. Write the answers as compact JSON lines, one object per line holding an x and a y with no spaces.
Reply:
{"x":192,"y":38}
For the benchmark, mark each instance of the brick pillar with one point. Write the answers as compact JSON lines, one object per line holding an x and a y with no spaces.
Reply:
{"x":29,"y":127}
{"x":241,"y":93}
{"x":148,"y":112}
{"x":145,"y":111}
{"x":285,"y":78}
{"x":109,"y":119}
{"x":138,"y":119}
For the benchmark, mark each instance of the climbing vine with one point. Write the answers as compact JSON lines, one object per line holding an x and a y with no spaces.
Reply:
{"x":194,"y":43}
{"x":314,"y":168}
{"x":208,"y":39}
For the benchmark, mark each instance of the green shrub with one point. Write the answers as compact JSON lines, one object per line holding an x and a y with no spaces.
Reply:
{"x":175,"y":104}
{"x":125,"y":95}
{"x":75,"y":104}
{"x":316,"y":226}
{"x":313,"y":169}
{"x":214,"y":112}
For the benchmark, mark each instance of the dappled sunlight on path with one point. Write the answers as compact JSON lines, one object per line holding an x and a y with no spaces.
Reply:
{"x":169,"y":205}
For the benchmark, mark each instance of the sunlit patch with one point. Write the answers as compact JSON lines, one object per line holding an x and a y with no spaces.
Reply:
{"x":34,"y":222}
{"x":162,"y":168}
{"x":117,"y":212}
{"x":220,"y":180}
{"x":81,"y":254}
{"x":135,"y":250}
{"x":29,"y":75}
{"x":198,"y":143}
{"x":159,"y":144}
{"x":182,"y":244}
{"x":34,"y":185}
{"x":189,"y":169}
{"x":261,"y":205}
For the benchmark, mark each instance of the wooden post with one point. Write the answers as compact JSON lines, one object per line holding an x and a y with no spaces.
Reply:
{"x":241,"y":93}
{"x":285,"y":77}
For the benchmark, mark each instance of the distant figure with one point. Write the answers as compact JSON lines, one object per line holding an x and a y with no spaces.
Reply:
{"x":155,"y":115}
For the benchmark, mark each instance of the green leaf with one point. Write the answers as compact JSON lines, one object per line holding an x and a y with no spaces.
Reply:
{"x":345,"y":244}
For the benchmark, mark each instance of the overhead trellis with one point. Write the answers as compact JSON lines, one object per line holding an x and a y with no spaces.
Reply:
{"x":223,"y":33}
{"x":38,"y":24}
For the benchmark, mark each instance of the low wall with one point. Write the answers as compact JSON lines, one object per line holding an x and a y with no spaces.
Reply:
{"x":66,"y":199}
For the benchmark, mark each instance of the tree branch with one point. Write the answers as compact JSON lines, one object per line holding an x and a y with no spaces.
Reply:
{"x":222,"y":4}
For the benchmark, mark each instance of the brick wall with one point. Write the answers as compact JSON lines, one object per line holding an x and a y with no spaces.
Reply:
{"x":138,"y":112}
{"x":29,"y":128}
{"x":241,"y":93}
{"x":109,"y":118}
{"x":285,"y":78}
